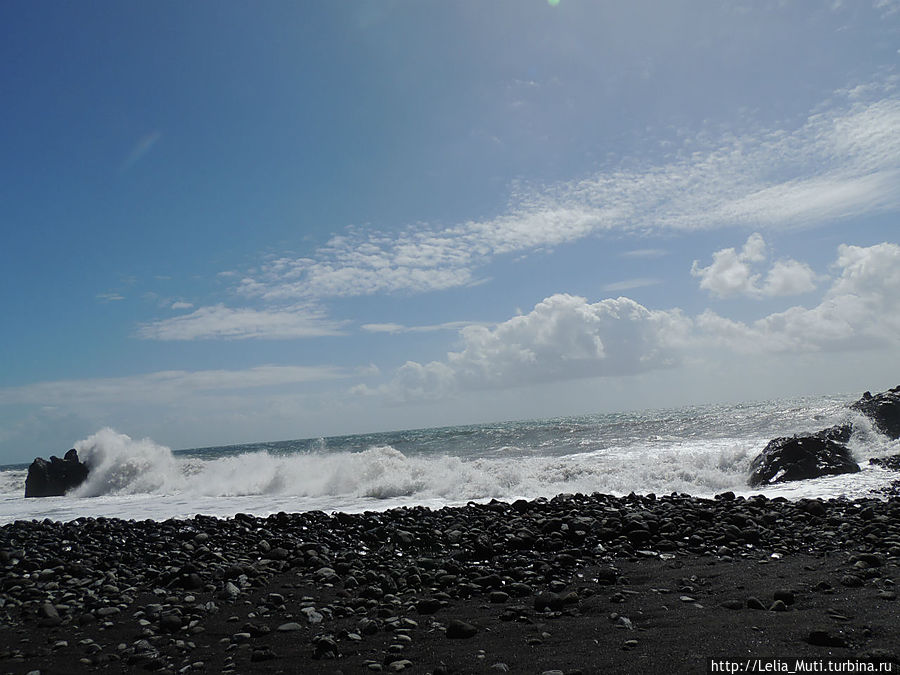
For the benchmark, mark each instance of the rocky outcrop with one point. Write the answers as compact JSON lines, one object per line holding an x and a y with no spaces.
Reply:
{"x":891,"y":463}
{"x":883,"y":409}
{"x":804,"y":456}
{"x":56,"y":477}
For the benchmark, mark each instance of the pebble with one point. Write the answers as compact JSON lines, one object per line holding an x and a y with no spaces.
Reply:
{"x":786,"y":596}
{"x":485,"y":553}
{"x":457,"y":629}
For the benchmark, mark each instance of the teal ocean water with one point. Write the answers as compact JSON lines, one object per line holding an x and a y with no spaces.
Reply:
{"x":700,"y":450}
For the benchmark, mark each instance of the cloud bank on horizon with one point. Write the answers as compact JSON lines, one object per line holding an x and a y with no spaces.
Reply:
{"x":414,"y":245}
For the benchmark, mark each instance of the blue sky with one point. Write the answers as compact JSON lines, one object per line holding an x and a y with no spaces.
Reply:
{"x":227,"y":222}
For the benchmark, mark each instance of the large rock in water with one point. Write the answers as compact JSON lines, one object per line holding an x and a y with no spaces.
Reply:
{"x":883,"y":409}
{"x":56,"y":477}
{"x":804,"y":456}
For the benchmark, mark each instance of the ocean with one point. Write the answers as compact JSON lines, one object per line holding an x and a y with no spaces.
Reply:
{"x":699,"y":450}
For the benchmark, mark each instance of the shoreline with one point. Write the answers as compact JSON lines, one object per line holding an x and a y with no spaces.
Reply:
{"x":577,"y":583}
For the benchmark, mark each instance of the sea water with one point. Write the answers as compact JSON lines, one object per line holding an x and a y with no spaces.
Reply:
{"x":699,"y":450}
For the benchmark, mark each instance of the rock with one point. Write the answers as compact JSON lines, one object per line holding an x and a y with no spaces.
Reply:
{"x":733,"y":604}
{"x":892,"y":462}
{"x":263,"y":654}
{"x":48,"y":615}
{"x":325,"y":647}
{"x":460,"y":630}
{"x":851,"y":581}
{"x":170,"y":623}
{"x":56,"y":477}
{"x":230,"y":591}
{"x":312,"y":616}
{"x":786,"y":596}
{"x":822,"y":638}
{"x":428,"y":605}
{"x":883,"y":409}
{"x":878,"y":655}
{"x":755,"y":603}
{"x":804,"y":456}
{"x":498,"y":597}
{"x":289,"y":627}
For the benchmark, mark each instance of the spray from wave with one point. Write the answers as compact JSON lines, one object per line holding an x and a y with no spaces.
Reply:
{"x":120,"y":465}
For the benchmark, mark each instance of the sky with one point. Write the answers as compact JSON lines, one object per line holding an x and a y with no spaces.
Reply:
{"x":232,"y":222}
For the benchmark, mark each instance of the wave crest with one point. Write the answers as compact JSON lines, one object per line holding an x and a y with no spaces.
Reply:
{"x":119,"y":464}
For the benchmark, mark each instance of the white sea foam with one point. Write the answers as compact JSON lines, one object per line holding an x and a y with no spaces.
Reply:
{"x":121,"y":465}
{"x":141,"y":479}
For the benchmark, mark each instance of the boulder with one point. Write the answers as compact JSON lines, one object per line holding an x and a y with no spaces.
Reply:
{"x":56,"y":477}
{"x":804,"y":456}
{"x":883,"y":409}
{"x":891,"y":463}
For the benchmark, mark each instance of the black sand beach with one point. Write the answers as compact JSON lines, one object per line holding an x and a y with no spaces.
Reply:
{"x":579,"y":583}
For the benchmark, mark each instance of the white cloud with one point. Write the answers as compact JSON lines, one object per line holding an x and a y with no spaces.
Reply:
{"x":219,"y":321}
{"x":789,"y":277}
{"x":732,"y":273}
{"x":400,"y":328}
{"x":842,"y":161}
{"x":563,"y":337}
{"x":861,"y":310}
{"x":110,"y":297}
{"x":888,"y":7}
{"x":629,"y":284}
{"x":143,"y":146}
{"x":645,"y":253}
{"x":182,"y":305}
{"x":163,"y":386}
{"x":369,"y":370}
{"x":384,"y":328}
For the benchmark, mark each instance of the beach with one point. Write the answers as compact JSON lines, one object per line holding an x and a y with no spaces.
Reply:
{"x":577,"y":583}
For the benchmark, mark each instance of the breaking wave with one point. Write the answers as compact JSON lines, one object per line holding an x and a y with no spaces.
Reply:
{"x":120,"y":465}
{"x":700,"y":451}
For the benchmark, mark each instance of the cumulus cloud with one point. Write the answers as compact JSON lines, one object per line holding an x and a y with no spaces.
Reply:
{"x":861,"y":310}
{"x":842,"y":161}
{"x":219,"y":321}
{"x":566,"y":337}
{"x":789,"y":277}
{"x":563,"y":337}
{"x":732,"y":273}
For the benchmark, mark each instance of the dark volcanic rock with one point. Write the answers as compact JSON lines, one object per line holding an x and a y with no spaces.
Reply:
{"x":56,"y":477}
{"x":892,"y":462}
{"x":460,"y":630}
{"x":804,"y":456}
{"x":883,"y":409}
